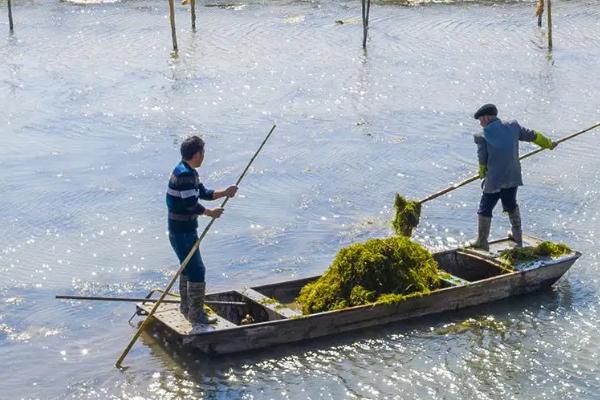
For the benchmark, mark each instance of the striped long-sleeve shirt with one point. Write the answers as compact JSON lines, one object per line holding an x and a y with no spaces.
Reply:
{"x":183,"y":193}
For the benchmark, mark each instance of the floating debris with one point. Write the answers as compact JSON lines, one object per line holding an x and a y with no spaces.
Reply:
{"x":487,"y":323}
{"x":407,"y":217}
{"x":293,"y":19}
{"x":523,"y":254}
{"x":378,"y":270}
{"x":348,"y":21}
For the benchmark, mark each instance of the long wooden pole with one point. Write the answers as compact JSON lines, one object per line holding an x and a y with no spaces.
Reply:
{"x":531,"y":153}
{"x":549,"y":24}
{"x":185,"y":261}
{"x":172,"y":19}
{"x":143,"y":300}
{"x":193,"y":9}
{"x":11,"y":26}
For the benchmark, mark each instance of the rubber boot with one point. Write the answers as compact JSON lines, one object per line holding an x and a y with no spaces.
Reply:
{"x":483,"y":232}
{"x":184,"y":304}
{"x":516,"y":231}
{"x":196,"y":314}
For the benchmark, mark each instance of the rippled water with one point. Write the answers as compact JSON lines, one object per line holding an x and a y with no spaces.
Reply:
{"x":94,"y":106}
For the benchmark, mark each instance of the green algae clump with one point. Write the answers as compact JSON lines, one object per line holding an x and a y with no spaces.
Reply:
{"x":378,"y":270}
{"x":407,"y":216}
{"x":488,"y":323}
{"x":523,"y":254}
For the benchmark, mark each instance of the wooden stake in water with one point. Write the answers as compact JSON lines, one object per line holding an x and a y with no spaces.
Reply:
{"x":172,"y":18}
{"x":10,"y":19}
{"x":185,"y":261}
{"x":549,"y":23}
{"x":366,"y":8}
{"x":539,"y":11}
{"x":193,"y":9}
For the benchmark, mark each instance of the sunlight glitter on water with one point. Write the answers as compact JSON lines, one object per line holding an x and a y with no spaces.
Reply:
{"x":95,"y":111}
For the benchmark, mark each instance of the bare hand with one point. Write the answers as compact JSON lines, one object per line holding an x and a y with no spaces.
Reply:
{"x":213,"y":212}
{"x":231,"y":191}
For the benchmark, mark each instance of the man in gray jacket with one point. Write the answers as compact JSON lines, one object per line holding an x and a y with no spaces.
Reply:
{"x":500,"y":168}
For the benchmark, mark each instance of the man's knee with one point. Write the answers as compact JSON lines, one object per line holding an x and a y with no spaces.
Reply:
{"x":195,"y":270}
{"x":486,"y":205}
{"x":509,"y":200}
{"x":485,"y":212}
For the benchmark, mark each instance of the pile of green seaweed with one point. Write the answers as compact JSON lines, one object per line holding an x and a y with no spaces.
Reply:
{"x":407,"y":217}
{"x":378,"y":270}
{"x":524,"y":254}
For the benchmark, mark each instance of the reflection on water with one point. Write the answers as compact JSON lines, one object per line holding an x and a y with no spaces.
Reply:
{"x":95,"y":108}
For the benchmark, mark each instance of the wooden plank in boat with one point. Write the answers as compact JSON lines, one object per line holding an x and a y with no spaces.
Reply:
{"x":453,"y":280}
{"x":272,"y":305}
{"x":169,"y":315}
{"x":497,"y":246}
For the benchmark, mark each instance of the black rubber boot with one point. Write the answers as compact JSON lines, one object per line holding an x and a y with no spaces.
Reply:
{"x":516,"y":232}
{"x":184,"y":305}
{"x":483,"y":232}
{"x":196,"y":313}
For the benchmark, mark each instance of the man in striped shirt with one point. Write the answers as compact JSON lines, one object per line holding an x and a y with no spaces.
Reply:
{"x":183,"y":193}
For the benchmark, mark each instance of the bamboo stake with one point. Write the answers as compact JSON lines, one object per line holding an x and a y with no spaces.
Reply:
{"x":193,"y":8}
{"x":365,"y":8}
{"x":549,"y":24}
{"x":144,"y":300}
{"x":10,"y":18}
{"x":539,"y":11}
{"x":531,"y":153}
{"x":363,"y":16}
{"x":186,"y":260}
{"x":172,"y":19}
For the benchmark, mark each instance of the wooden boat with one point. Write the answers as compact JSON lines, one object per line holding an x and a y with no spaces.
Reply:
{"x":474,"y":277}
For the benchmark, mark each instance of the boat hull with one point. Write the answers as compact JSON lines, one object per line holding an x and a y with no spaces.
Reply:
{"x":271,"y":333}
{"x":475,"y":277}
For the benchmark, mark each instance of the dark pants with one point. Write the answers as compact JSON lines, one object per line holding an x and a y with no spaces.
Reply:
{"x":182,"y":244}
{"x":489,"y":200}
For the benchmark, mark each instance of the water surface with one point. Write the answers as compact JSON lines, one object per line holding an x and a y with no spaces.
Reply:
{"x":95,"y":106}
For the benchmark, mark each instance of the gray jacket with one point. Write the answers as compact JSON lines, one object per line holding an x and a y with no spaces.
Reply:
{"x":498,"y":150}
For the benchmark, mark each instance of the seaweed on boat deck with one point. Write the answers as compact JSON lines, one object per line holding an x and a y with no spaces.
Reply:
{"x":523,"y":254}
{"x":376,"y":271}
{"x":407,"y":217}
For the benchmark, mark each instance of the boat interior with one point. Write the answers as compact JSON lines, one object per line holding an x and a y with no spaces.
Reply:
{"x":277,"y":301}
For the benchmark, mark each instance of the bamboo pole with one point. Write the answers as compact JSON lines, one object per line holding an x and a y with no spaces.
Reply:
{"x":144,"y":300}
{"x":193,"y":9}
{"x":549,"y":23}
{"x":531,"y":153}
{"x":11,"y":26}
{"x":186,"y":261}
{"x":172,"y":19}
